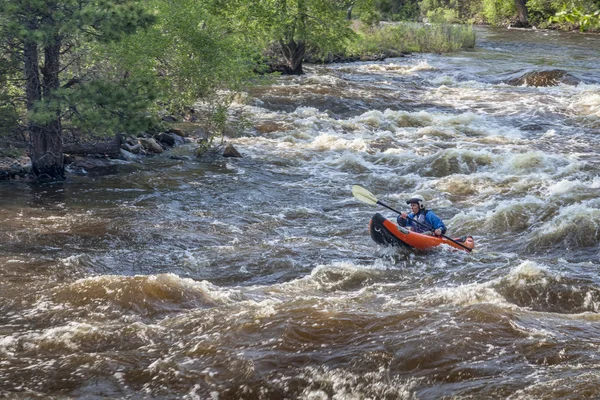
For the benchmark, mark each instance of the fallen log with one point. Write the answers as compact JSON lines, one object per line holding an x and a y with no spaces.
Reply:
{"x":110,"y":147}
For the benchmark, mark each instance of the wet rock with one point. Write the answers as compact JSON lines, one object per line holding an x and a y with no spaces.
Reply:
{"x":272,"y":126}
{"x":165,"y":139}
{"x":14,"y":168}
{"x":231,"y":151}
{"x":151,"y":145}
{"x":545,"y":78}
{"x":68,"y":159}
{"x":128,"y":156}
{"x":169,"y":139}
{"x":109,"y":147}
{"x":132,"y":148}
{"x":178,"y":132}
{"x":94,"y":166}
{"x":169,"y":118}
{"x":131,"y":141}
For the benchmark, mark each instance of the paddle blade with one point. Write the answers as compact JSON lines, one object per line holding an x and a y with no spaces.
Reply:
{"x":364,"y":195}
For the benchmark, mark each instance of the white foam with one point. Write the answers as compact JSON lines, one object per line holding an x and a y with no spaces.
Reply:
{"x":333,"y":142}
{"x":588,"y":102}
{"x":346,"y":385}
{"x":396,"y":68}
{"x":564,"y":186}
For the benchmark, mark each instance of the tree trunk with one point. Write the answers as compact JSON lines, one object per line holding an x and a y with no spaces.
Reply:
{"x":47,"y":159}
{"x":33,"y":88}
{"x":293,"y":52}
{"x":522,"y":13}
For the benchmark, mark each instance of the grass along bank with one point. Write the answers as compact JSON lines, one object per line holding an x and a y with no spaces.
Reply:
{"x":411,"y":37}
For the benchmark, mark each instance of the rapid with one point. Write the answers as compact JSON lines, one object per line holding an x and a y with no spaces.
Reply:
{"x":256,"y":278}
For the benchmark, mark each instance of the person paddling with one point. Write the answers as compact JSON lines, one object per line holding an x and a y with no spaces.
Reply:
{"x":419,"y":213}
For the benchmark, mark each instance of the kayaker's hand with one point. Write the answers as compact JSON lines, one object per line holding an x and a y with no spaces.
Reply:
{"x":438,"y":232}
{"x":404,"y":215}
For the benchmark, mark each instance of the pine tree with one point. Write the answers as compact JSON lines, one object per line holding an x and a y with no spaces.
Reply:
{"x":45,"y":33}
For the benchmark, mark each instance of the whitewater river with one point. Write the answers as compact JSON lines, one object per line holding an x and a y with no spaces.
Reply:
{"x":256,"y":278}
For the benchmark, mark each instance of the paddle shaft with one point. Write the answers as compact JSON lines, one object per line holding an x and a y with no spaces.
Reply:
{"x":424,"y":225}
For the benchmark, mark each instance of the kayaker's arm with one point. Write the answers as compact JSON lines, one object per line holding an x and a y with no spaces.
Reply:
{"x":435,"y":222}
{"x":402,"y":219}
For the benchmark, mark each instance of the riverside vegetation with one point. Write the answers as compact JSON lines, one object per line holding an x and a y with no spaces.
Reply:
{"x":74,"y":71}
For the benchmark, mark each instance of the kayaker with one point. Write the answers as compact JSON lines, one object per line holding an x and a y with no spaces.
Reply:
{"x":427,"y":218}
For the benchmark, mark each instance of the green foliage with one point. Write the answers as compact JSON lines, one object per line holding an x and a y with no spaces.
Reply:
{"x":498,"y":11}
{"x":370,"y":18}
{"x":541,"y":13}
{"x":105,"y":107}
{"x":566,"y":14}
{"x":42,"y":21}
{"x":431,"y":5}
{"x":9,"y":116}
{"x":413,"y":37}
{"x":464,"y":9}
{"x":441,"y":10}
{"x":11,"y":152}
{"x":443,"y":16}
{"x":398,"y":10}
{"x":195,"y":51}
{"x":577,"y":17}
{"x":93,"y":100}
{"x":9,"y":108}
{"x":318,"y":23}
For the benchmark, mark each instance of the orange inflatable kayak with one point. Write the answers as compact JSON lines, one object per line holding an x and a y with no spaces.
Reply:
{"x":384,"y":231}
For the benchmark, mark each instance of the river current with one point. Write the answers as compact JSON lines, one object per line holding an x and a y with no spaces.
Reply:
{"x":256,"y":278}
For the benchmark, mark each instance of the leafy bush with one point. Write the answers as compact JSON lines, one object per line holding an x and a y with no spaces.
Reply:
{"x":576,"y":17}
{"x":399,"y":10}
{"x":10,"y":113}
{"x":465,"y":10}
{"x":9,"y":117}
{"x":413,"y":37}
{"x":443,"y":16}
{"x":498,"y":11}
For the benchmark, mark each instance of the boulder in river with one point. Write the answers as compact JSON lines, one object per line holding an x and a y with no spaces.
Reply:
{"x":552,"y":77}
{"x":231,"y":151}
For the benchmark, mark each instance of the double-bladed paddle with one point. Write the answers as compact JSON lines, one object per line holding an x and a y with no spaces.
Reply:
{"x":367,"y":197}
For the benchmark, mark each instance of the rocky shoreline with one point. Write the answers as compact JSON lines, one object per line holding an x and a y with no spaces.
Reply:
{"x":103,"y":157}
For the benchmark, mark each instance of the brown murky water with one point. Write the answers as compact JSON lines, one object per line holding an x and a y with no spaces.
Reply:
{"x":256,"y":278}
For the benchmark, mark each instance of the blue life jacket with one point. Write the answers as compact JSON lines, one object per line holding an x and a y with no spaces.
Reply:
{"x":430,"y":222}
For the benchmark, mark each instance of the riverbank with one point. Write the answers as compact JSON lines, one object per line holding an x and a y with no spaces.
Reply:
{"x":100,"y":158}
{"x":375,"y":43}
{"x":92,"y":157}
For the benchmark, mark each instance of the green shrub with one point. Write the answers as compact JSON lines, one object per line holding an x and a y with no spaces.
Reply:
{"x":413,"y":37}
{"x":391,"y":10}
{"x":577,"y":17}
{"x":497,"y":12}
{"x":443,"y":16}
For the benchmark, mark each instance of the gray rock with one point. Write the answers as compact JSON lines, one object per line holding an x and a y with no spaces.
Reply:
{"x":128,"y":156}
{"x":151,"y":145}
